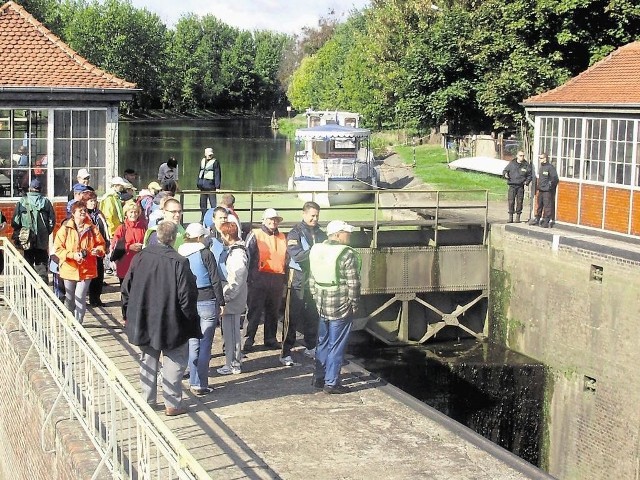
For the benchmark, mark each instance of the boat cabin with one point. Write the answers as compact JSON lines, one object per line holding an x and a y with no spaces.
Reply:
{"x":332,"y":117}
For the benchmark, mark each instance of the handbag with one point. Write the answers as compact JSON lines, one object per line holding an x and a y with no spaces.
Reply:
{"x":119,"y":250}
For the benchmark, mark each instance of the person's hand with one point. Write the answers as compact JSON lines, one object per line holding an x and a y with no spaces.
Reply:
{"x":78,"y":257}
{"x":135,"y":247}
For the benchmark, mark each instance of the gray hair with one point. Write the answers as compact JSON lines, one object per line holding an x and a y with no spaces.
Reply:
{"x":167,"y":232}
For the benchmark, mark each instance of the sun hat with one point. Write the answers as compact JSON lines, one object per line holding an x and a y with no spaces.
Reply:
{"x":154,"y":187}
{"x":336,"y":226}
{"x":208,"y":151}
{"x":119,"y":181}
{"x":83,"y":173}
{"x":195,"y":230}
{"x":271,"y":213}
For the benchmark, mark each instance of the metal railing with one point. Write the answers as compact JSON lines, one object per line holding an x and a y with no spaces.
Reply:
{"x":128,"y":434}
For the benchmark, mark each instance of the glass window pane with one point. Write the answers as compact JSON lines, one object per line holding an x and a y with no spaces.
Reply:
{"x":61,"y":153}
{"x":97,"y":153}
{"x":79,"y":124}
{"x":62,"y":124}
{"x":98,"y":124}
{"x":80,"y":153}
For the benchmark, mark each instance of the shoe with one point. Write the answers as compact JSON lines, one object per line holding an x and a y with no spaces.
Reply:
{"x":534,"y":221}
{"x":335,"y":389}
{"x":229,"y":371}
{"x":311,"y":353}
{"x":317,"y":383}
{"x":174,"y":412}
{"x":287,"y":361}
{"x":248,"y":346}
{"x":273,"y":345}
{"x":186,"y":375}
{"x":200,"y":392}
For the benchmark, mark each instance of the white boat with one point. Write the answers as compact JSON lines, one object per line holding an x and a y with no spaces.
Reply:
{"x":333,"y":165}
{"x":492,"y":166}
{"x":315,"y":118}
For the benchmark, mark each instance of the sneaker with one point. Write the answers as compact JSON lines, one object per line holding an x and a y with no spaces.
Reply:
{"x":174,"y":412}
{"x":201,"y":391}
{"x":229,"y":371}
{"x":311,"y":353}
{"x":335,"y":389}
{"x":287,"y":361}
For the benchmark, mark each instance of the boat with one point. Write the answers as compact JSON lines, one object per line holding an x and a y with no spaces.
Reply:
{"x":333,"y":164}
{"x":315,"y":118}
{"x":492,"y":166}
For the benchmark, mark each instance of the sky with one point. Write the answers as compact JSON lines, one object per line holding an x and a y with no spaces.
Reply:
{"x":286,"y":16}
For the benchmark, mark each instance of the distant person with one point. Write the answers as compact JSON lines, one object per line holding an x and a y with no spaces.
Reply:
{"x":209,"y":178}
{"x":168,"y":171}
{"x":83,"y":178}
{"x":228,"y":201}
{"x":131,"y":176}
{"x":159,"y":298}
{"x":300,"y":311}
{"x":335,"y":285}
{"x":518,"y":175}
{"x":546,"y":183}
{"x":33,"y":221}
{"x":267,"y":248}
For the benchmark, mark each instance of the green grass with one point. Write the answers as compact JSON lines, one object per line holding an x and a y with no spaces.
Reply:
{"x":431,"y":167}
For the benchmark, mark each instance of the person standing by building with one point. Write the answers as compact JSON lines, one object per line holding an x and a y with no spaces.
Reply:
{"x":159,"y":298}
{"x":518,"y":175}
{"x":300,"y":311}
{"x":32,"y":222}
{"x":209,"y":179}
{"x":168,"y":172}
{"x":78,"y":243}
{"x":210,"y":300}
{"x":335,"y":285}
{"x":547,"y":181}
{"x":267,"y":248}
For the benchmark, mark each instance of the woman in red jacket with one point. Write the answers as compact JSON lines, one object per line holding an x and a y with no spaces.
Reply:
{"x":133,"y":230}
{"x":78,"y":243}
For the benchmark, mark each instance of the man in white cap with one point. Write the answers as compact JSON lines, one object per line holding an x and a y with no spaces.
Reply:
{"x":111,"y":205}
{"x":209,"y":179}
{"x":267,"y":248}
{"x":83,"y":178}
{"x":335,"y":285}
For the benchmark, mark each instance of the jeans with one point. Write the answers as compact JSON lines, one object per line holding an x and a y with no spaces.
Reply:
{"x":200,"y":349}
{"x":333,"y":336}
{"x":76,"y":297}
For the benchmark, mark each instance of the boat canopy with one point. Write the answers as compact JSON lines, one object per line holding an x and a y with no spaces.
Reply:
{"x":327,"y":132}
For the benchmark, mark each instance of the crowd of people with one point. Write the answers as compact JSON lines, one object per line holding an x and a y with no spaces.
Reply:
{"x":178,"y":285}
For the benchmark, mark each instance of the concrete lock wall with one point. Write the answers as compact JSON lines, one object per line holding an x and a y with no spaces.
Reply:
{"x":60,"y":451}
{"x":577,"y":312}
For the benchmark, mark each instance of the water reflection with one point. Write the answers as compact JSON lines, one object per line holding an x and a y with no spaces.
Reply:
{"x":251,"y":155}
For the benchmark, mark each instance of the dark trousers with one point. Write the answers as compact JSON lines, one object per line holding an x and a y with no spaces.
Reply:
{"x":265,"y":296}
{"x":545,"y":205}
{"x":95,"y":287}
{"x":515,"y":197}
{"x":204,"y":197}
{"x":300,"y":314}
{"x":39,"y":260}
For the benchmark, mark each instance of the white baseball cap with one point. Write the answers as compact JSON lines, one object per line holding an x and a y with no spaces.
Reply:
{"x":119,"y":181}
{"x":83,"y":173}
{"x":195,"y":230}
{"x":336,"y":226}
{"x":271,"y":213}
{"x":208,"y":151}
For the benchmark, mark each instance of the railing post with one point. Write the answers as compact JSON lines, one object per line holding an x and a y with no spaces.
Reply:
{"x":435,"y":227}
{"x":375,"y":218}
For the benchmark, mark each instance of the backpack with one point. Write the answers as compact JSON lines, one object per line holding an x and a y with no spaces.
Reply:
{"x":25,"y":237}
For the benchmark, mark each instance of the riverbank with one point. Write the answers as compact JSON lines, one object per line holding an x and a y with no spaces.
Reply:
{"x":198,"y":114}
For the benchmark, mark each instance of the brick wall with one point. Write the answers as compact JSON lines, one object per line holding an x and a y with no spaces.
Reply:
{"x":556,"y":312}
{"x":8,"y":207}
{"x":616,"y":217}
{"x":567,"y":202}
{"x":635,"y":214}
{"x":591,"y":205}
{"x":28,"y":395}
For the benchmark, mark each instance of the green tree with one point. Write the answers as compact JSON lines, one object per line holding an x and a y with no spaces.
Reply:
{"x":238,"y":74}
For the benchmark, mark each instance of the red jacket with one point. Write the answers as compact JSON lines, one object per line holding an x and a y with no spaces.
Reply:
{"x":133,"y":233}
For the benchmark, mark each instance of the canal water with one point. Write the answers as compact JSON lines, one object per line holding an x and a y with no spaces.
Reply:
{"x":494,"y":391}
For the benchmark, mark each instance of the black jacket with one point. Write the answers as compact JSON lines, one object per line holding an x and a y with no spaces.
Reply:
{"x":159,"y":297}
{"x":298,"y":254}
{"x":547,"y":177}
{"x":517,"y":173}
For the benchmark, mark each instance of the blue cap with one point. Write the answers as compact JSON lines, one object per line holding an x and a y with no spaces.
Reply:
{"x":35,"y":185}
{"x":80,"y":187}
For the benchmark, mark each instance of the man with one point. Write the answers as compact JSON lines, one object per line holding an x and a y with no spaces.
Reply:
{"x":131,"y":176}
{"x":111,"y":204}
{"x":83,"y":178}
{"x":267,"y":248}
{"x":35,"y":213}
{"x":216,"y":245}
{"x":547,"y":180}
{"x":209,"y":179}
{"x":172,"y":212}
{"x":300,"y":311}
{"x":159,"y":298}
{"x":518,"y":174}
{"x":228,"y":201}
{"x":335,"y":285}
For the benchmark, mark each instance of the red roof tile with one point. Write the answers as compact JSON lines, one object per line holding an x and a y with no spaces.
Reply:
{"x":614,"y":80}
{"x":31,"y":57}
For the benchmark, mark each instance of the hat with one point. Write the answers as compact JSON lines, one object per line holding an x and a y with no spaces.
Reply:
{"x":195,"y":230}
{"x":154,"y":187}
{"x":336,"y":226}
{"x":119,"y":181}
{"x":271,"y":213}
{"x":80,"y":187}
{"x":35,"y":185}
{"x":83,"y":173}
{"x":208,"y":151}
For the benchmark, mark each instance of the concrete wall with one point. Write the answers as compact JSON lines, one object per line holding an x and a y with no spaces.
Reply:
{"x":546,"y":303}
{"x":28,"y":394}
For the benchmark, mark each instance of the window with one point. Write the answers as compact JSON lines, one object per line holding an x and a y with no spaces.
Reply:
{"x":549,"y":137}
{"x":595,"y":149}
{"x":571,"y":148}
{"x":621,"y":156}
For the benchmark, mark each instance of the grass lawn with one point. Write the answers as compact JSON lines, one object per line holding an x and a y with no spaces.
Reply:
{"x":431,"y":167}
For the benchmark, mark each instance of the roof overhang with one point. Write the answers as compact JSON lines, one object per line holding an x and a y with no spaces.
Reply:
{"x":26,"y":95}
{"x":626,"y":108}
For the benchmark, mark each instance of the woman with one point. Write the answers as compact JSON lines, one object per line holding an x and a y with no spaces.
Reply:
{"x":95,"y":287}
{"x":234,"y":268}
{"x":133,"y":230}
{"x":210,"y":299}
{"x":78,"y":244}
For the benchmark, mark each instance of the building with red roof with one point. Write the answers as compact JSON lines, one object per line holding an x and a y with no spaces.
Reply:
{"x":589,"y":127}
{"x":58,"y":112}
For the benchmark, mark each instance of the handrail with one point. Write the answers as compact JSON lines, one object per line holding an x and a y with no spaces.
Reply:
{"x":132,"y":440}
